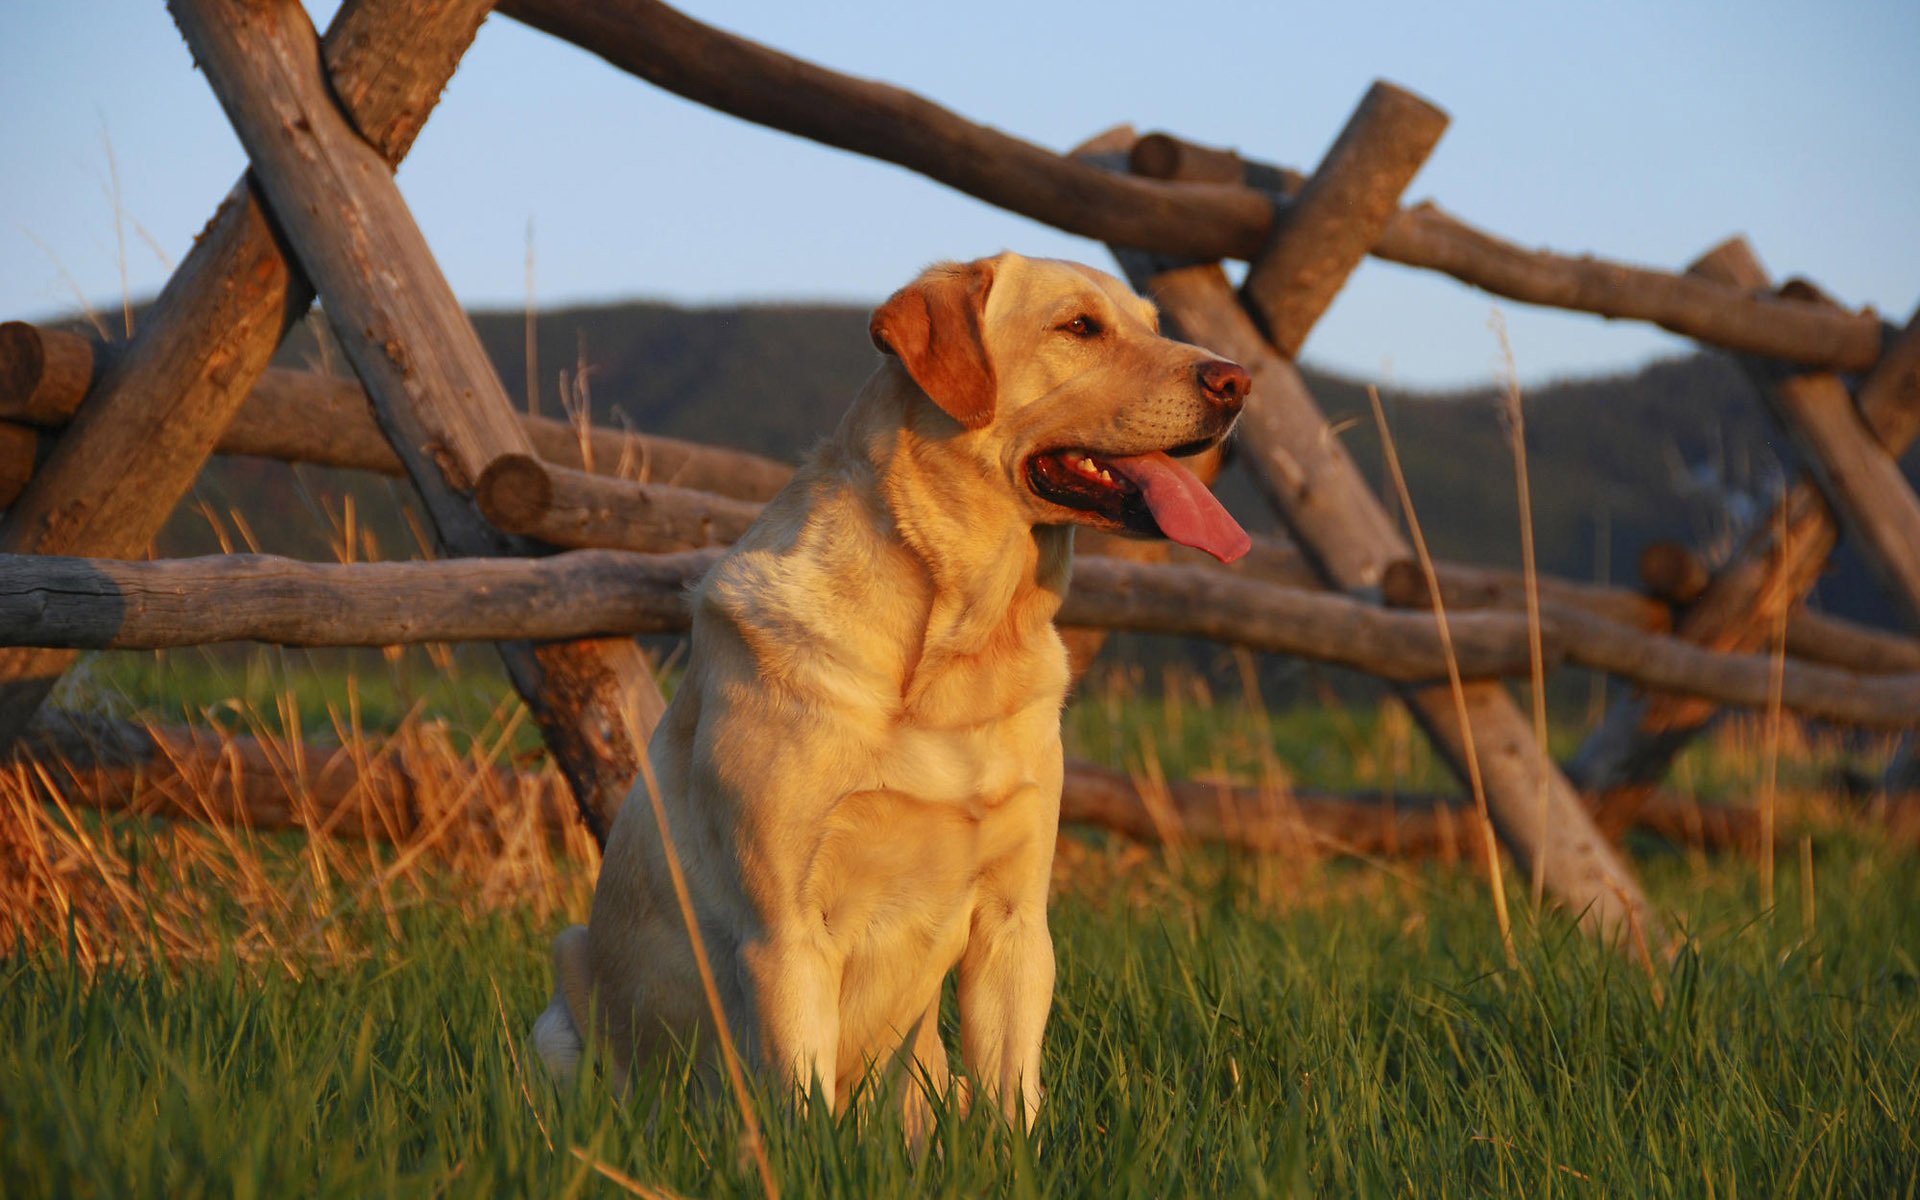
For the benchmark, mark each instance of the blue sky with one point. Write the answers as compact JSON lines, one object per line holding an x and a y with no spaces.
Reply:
{"x":1636,"y":130}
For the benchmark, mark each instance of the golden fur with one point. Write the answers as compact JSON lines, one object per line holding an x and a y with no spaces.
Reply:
{"x":861,"y":769}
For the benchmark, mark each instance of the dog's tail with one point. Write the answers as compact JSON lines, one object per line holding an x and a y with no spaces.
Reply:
{"x":556,"y":1035}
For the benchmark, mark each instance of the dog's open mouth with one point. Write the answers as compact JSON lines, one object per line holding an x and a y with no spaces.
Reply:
{"x":1145,"y":493}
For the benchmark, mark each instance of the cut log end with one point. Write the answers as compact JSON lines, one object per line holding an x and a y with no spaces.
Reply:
{"x":1674,"y":573}
{"x":1404,"y":585}
{"x":44,"y":373}
{"x":1418,"y":118}
{"x":1163,"y":156}
{"x":515,"y":492}
{"x":1734,"y":262}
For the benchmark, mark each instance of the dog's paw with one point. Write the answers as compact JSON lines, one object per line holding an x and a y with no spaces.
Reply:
{"x":558,"y":1041}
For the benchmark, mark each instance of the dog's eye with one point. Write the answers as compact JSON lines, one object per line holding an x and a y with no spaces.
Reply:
{"x":1082,"y":326}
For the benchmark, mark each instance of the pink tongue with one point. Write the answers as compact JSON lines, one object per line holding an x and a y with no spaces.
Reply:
{"x":1183,"y":507}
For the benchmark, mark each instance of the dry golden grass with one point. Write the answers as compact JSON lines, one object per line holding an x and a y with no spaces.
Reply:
{"x":418,"y":821}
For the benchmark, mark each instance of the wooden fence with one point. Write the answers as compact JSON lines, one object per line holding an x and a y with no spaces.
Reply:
{"x":562,"y":543}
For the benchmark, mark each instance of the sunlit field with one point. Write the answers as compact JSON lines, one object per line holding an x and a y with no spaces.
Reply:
{"x":204,"y":1008}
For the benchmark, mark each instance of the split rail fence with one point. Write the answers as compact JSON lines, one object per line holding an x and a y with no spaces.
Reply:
{"x":557,"y":553}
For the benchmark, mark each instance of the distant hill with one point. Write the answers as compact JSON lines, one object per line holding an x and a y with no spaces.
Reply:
{"x":1679,"y":449}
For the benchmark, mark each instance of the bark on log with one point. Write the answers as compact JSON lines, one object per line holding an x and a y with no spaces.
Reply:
{"x":1335,"y":516}
{"x":155,"y":414}
{"x":1819,"y":638}
{"x":1404,"y":585}
{"x":1326,"y":231}
{"x":432,"y":386}
{"x":44,"y":373}
{"x":563,"y":507}
{"x":1769,"y":575}
{"x":1674,"y":572}
{"x":1859,"y":475}
{"x":116,"y":604}
{"x":20,"y":454}
{"x":1811,"y":636}
{"x":204,"y":775}
{"x":302,"y":416}
{"x":1332,"y":512}
{"x":1194,"y":221}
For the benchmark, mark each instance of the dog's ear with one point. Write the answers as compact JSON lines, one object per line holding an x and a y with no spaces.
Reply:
{"x":933,"y":327}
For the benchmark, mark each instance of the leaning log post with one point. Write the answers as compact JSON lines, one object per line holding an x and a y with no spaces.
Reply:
{"x":1084,"y":643}
{"x":325,"y":420}
{"x":1194,"y":221}
{"x":1336,"y":519}
{"x":432,"y":387}
{"x":1330,"y":508}
{"x":1773,"y":570}
{"x":152,"y":419}
{"x":1345,"y":206}
{"x":1859,"y":474}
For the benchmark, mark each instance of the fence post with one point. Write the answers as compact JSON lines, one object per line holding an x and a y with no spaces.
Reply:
{"x":433,"y":389}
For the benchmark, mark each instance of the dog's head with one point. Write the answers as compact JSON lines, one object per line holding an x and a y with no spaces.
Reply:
{"x":1058,"y":377}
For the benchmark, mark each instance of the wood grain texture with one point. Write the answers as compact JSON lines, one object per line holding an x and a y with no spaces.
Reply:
{"x":159,"y":408}
{"x":1335,"y":517}
{"x":1767,"y":577}
{"x":433,"y":389}
{"x":199,"y":774}
{"x":118,"y":604}
{"x":1196,"y":221}
{"x":1340,"y":213}
{"x":325,"y":420}
{"x":564,"y":507}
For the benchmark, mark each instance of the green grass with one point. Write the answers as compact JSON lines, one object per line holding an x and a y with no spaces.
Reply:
{"x":1360,"y":1035}
{"x":1223,"y":1026}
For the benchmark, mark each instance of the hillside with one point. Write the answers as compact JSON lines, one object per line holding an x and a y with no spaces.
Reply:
{"x":1678,"y":449}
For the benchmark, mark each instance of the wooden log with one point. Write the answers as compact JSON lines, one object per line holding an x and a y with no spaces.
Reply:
{"x":20,"y":452}
{"x":1195,"y":221}
{"x":1817,"y":637}
{"x":1404,"y":585}
{"x":118,"y":604}
{"x":141,"y":605}
{"x":210,"y":776}
{"x":563,"y":507}
{"x":1163,"y":156}
{"x":1673,"y":572}
{"x":206,"y":775}
{"x":1678,"y":666}
{"x":156,"y":413}
{"x":302,"y":416}
{"x":1775,"y":567}
{"x":1859,"y":474}
{"x":1811,"y":636}
{"x":1335,"y":517}
{"x":432,"y":387}
{"x":1337,"y":217}
{"x":44,"y":373}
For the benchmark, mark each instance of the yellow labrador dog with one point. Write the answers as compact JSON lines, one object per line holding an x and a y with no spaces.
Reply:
{"x":861,"y":769}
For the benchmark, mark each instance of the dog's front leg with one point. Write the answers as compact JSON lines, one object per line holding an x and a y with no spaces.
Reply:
{"x":1006,"y":988}
{"x":797,"y":997}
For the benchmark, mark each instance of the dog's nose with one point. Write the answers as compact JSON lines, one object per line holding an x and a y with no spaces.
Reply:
{"x":1226,"y":384}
